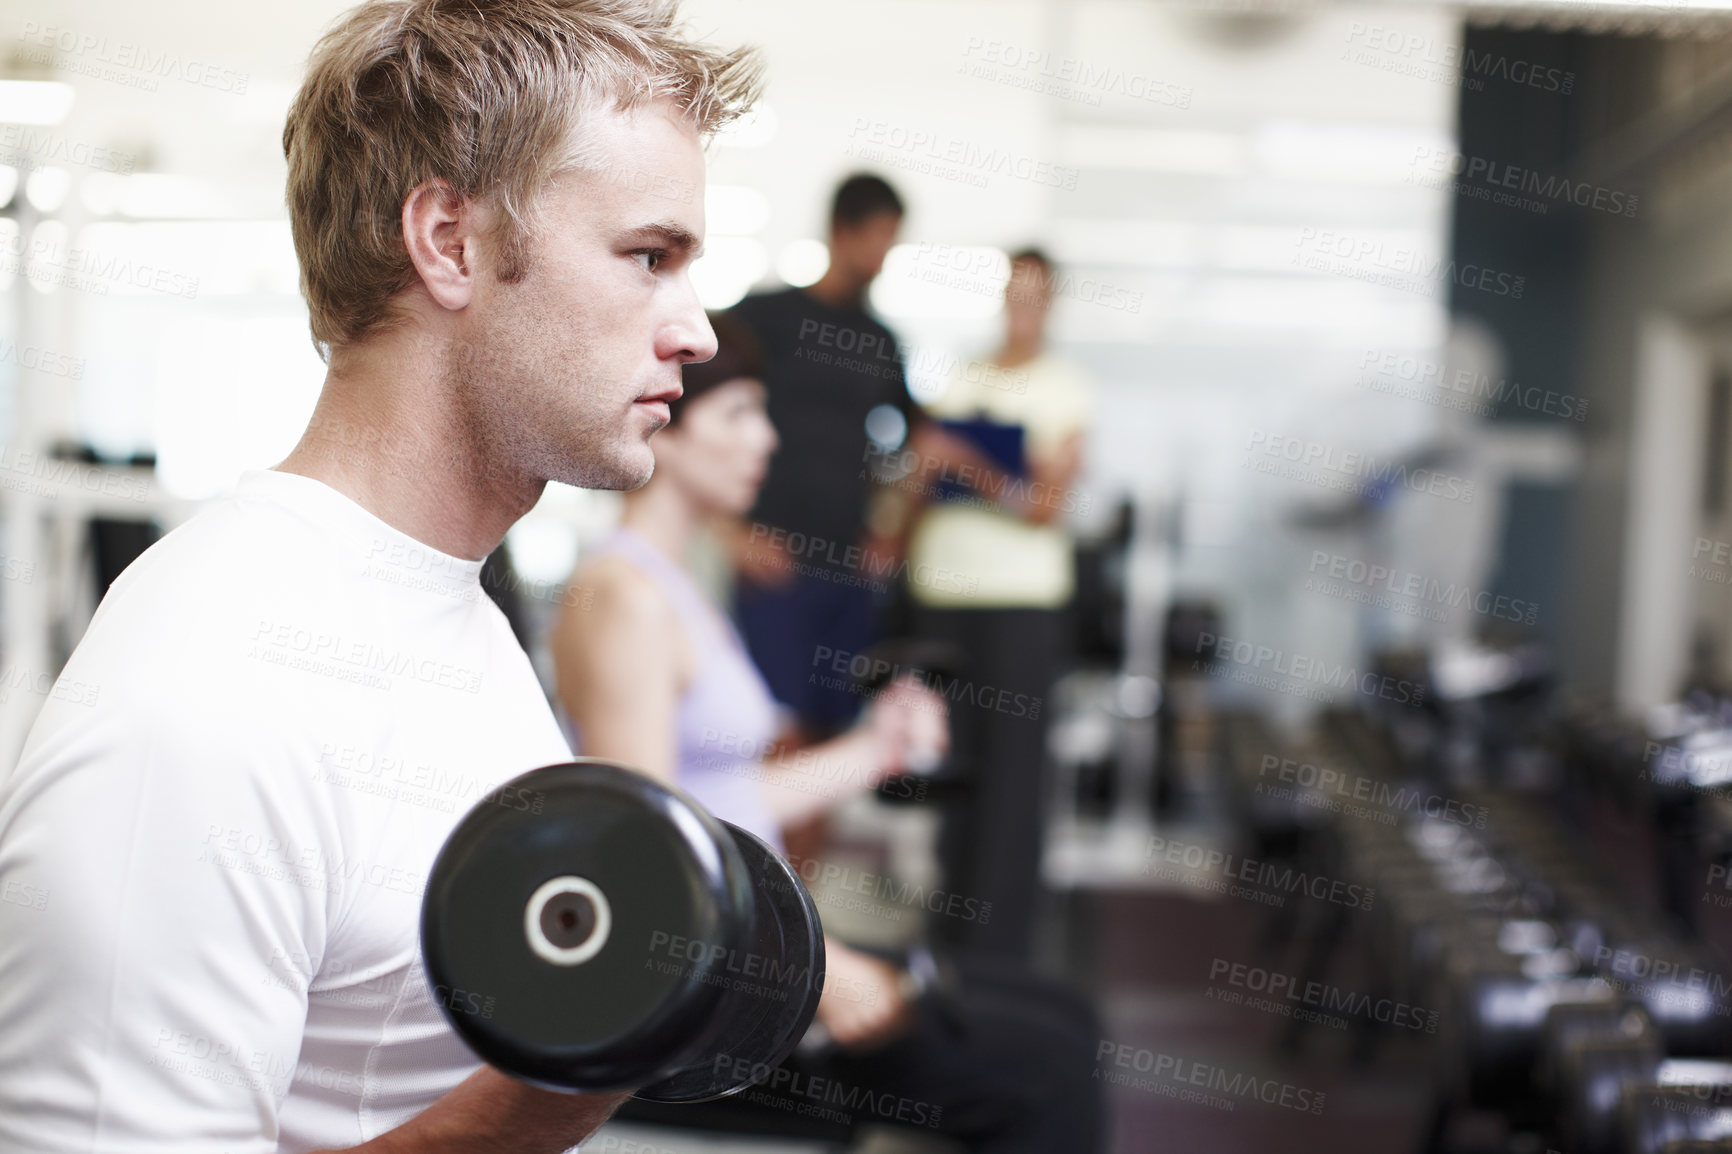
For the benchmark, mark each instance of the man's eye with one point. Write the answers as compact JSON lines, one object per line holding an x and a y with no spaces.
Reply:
{"x":650,"y":257}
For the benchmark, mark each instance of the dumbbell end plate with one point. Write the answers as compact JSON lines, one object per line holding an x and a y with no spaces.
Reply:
{"x":773,"y":993}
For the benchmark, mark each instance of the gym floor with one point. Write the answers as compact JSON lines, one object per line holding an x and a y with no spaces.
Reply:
{"x":1154,"y":959}
{"x":1152,"y":954}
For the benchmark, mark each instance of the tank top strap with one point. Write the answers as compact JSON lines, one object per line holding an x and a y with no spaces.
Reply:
{"x":689,"y":602}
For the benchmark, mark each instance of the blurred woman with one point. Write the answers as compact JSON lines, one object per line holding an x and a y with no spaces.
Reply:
{"x":653,"y":674}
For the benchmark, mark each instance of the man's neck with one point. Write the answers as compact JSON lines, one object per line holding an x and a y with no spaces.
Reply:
{"x":387,"y":437}
{"x":837,"y":290}
{"x":1015,"y":353}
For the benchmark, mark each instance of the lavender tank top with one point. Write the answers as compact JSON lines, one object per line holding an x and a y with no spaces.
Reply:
{"x":727,"y":716}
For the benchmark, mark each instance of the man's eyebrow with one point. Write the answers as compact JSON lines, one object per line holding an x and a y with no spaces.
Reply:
{"x":669,"y":236}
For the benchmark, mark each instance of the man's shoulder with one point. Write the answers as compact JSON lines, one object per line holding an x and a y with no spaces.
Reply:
{"x":768,"y":313}
{"x":1061,"y":379}
{"x":228,"y":546}
{"x":772,"y":299}
{"x":209,"y":576}
{"x":164,"y":664}
{"x":761,"y":310}
{"x":869,"y":316}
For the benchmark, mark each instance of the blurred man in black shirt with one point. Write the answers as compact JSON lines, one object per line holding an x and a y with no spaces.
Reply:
{"x":809,"y":568}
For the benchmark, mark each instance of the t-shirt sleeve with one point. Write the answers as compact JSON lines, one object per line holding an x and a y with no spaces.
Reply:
{"x":164,"y":913}
{"x":956,"y":401}
{"x":1074,"y":404}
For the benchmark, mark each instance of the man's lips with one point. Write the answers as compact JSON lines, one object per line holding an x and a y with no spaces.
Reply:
{"x":671,"y":393}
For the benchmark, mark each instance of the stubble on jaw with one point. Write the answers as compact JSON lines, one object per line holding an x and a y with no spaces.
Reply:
{"x":534,"y":399}
{"x":530,"y":413}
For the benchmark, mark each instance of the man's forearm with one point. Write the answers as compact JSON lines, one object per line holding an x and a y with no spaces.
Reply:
{"x":491,"y":1113}
{"x":1057,"y":473}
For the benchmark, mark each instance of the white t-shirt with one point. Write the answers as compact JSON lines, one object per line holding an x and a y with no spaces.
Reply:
{"x":212,"y":855}
{"x":972,"y":556}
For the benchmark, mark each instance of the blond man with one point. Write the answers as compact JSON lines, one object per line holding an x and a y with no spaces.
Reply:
{"x":495,"y":204}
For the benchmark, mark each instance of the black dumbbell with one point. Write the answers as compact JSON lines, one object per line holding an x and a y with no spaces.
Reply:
{"x":1500,"y":1003}
{"x":1568,"y":1024}
{"x":1682,"y":986}
{"x":1593,"y":1070}
{"x":586,"y":928}
{"x":1656,"y":1116}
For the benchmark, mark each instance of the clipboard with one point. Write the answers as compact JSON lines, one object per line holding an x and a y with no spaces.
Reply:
{"x":1004,"y":445}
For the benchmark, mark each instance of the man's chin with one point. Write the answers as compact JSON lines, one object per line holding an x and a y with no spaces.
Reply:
{"x":629,"y":470}
{"x":643,"y":476}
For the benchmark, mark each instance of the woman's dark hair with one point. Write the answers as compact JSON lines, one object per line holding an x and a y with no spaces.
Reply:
{"x":738,"y":354}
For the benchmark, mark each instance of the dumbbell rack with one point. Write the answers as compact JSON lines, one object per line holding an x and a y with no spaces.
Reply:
{"x":1541,"y":974}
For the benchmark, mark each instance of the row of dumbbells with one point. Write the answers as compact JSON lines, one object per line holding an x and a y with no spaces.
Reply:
{"x":1560,"y":1003}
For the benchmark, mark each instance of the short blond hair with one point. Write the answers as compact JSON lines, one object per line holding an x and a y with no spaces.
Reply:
{"x":488,"y":95}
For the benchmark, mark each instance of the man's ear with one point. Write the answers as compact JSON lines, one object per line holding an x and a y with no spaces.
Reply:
{"x":439,"y":231}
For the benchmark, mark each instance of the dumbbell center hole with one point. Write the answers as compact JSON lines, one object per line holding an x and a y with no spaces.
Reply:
{"x":567,"y":921}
